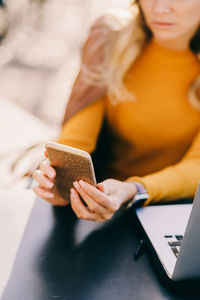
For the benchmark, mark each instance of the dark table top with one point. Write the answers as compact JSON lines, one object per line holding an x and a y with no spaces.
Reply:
{"x":61,"y":257}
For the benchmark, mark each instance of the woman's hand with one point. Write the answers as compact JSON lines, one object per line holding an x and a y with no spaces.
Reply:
{"x":101,"y":201}
{"x":46,"y":190}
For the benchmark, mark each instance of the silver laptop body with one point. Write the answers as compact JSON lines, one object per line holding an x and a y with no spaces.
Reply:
{"x":174,"y":232}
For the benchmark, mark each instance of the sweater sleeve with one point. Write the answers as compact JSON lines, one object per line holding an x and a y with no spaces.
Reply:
{"x":175,"y":181}
{"x":82,"y":130}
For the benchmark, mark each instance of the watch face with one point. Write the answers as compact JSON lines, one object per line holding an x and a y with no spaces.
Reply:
{"x":141,"y":196}
{"x":137,"y":200}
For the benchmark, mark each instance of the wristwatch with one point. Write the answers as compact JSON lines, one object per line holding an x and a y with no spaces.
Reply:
{"x":139,"y":197}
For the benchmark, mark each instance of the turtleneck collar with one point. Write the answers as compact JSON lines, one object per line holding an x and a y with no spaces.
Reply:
{"x":179,"y":56}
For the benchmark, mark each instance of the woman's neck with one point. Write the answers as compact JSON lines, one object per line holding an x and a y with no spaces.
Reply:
{"x":175,"y":45}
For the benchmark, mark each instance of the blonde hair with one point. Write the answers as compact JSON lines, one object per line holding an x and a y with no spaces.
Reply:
{"x":122,"y":44}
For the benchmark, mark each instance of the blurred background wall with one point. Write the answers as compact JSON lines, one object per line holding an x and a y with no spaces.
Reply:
{"x":39,"y":50}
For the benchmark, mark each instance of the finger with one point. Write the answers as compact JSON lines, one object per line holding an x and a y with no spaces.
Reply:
{"x":98,"y":196}
{"x":47,"y":169}
{"x":48,"y":196}
{"x":42,"y":179}
{"x":42,"y":193}
{"x":92,"y":204}
{"x":81,"y":210}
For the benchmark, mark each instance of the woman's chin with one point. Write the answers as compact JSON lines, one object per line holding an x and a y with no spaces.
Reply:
{"x":165,"y":37}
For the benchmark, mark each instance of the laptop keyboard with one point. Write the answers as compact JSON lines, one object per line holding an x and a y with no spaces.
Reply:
{"x":174,"y":241}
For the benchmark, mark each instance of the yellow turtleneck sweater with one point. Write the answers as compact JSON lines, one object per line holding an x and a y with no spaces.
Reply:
{"x":158,"y":136}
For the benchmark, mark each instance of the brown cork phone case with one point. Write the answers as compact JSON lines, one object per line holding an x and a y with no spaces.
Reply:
{"x":70,"y":164}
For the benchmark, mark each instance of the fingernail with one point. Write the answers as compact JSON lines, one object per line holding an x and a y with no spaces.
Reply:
{"x":72,"y":191}
{"x":48,"y":195}
{"x":76,"y":185}
{"x":51,"y":174}
{"x":50,"y":184}
{"x":82,"y":183}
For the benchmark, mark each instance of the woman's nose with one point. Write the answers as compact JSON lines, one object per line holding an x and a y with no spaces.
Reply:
{"x":163,"y":6}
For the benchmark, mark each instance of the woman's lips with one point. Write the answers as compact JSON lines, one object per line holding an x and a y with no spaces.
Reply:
{"x":163,"y":24}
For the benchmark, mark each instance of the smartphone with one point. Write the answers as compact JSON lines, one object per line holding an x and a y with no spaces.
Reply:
{"x":71,"y":164}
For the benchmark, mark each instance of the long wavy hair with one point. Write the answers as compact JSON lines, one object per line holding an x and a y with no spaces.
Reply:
{"x":128,"y":35}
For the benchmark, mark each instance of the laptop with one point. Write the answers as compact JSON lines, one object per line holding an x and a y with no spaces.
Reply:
{"x":173,"y":233}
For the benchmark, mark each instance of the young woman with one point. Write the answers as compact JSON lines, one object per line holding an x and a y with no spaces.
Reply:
{"x":143,"y":79}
